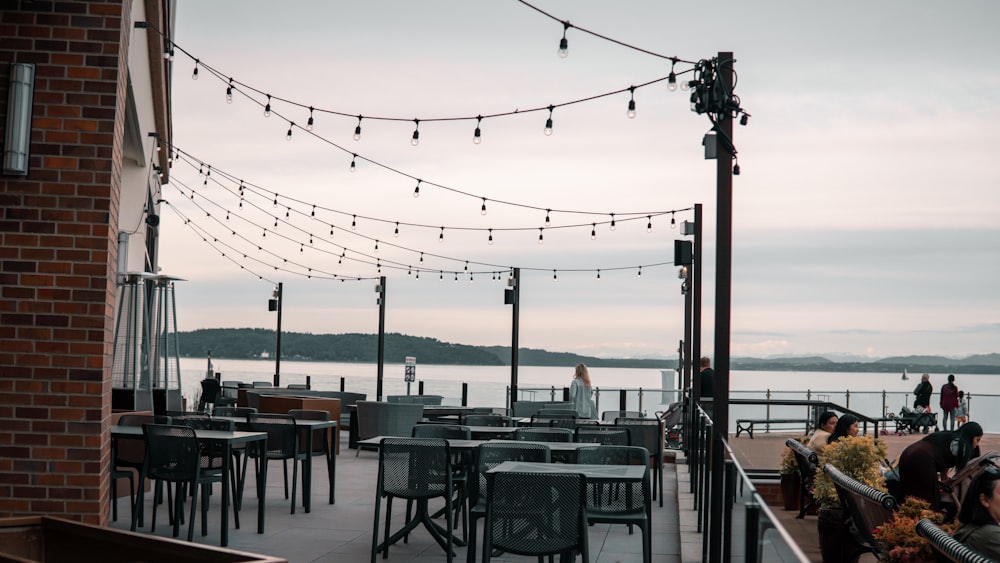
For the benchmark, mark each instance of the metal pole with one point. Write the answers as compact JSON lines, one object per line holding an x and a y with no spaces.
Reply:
{"x":516,"y":309}
{"x":695,"y":289}
{"x":723,"y":301}
{"x":381,"y":338}
{"x":277,"y":341}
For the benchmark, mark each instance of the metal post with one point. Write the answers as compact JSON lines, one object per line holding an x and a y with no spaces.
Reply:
{"x":727,"y":520}
{"x":420,"y":387}
{"x":342,"y":384}
{"x":751,"y":550}
{"x":622,"y":397}
{"x":515,"y":283}
{"x":695,"y":289}
{"x":465,"y":394}
{"x":277,"y":339}
{"x":381,"y":337}
{"x":723,"y":301}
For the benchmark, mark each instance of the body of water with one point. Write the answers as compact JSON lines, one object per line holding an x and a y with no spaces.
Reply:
{"x":872,"y":394}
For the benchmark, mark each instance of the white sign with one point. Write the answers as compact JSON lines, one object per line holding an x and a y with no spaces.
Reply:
{"x":410,"y":369}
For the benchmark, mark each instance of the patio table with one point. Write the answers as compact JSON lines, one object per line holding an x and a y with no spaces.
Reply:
{"x":227,"y":440}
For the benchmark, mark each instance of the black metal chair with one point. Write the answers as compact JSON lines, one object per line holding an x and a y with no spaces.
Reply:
{"x":213,"y":456}
{"x":605,"y":435}
{"x":611,"y":416}
{"x":127,"y":456}
{"x":611,"y":505}
{"x":544,"y":434}
{"x":173,"y":456}
{"x":320,"y":442}
{"x":535,"y":514}
{"x":282,"y":444}
{"x":210,"y":391}
{"x":460,"y":469}
{"x":648,"y":433}
{"x":417,"y":469}
{"x":490,"y":455}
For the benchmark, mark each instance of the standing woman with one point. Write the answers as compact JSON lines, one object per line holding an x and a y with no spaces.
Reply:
{"x":949,"y":403}
{"x":581,"y":394}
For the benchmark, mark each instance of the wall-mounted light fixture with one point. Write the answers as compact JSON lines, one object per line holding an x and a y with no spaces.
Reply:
{"x":17,"y":136}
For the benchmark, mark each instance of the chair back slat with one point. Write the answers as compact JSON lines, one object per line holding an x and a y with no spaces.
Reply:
{"x":536,"y":513}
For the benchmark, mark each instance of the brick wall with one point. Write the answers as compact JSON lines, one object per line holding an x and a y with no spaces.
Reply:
{"x":58,"y":240}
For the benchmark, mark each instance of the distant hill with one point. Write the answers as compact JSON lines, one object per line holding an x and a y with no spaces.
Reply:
{"x":255,"y":343}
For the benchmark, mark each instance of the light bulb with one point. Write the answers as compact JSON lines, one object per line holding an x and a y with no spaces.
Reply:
{"x":490,"y":240}
{"x":416,"y":190}
{"x":288,"y":136}
{"x":593,"y":231}
{"x":483,"y":210}
{"x":229,"y":94}
{"x":194,"y":75}
{"x":631,"y":109}
{"x":673,"y":222}
{"x":563,"y":48}
{"x":612,"y":221}
{"x":477,"y":136}
{"x":541,"y":238}
{"x":309,"y":124}
{"x":353,"y":163}
{"x":649,"y":224}
{"x":415,"y":139}
{"x":396,"y":232}
{"x":267,"y":107}
{"x":441,"y":236}
{"x":672,"y":82}
{"x":357,"y":132}
{"x":354,"y":222}
{"x":598,"y":274}
{"x":548,"y":126}
{"x":640,"y":272}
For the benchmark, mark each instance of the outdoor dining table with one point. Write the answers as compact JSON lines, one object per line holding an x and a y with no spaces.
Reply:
{"x":466,"y":445}
{"x":227,"y":440}
{"x":307,"y":426}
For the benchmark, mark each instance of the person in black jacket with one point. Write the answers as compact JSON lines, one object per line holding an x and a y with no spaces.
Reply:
{"x":707,"y":375}
{"x":923,"y":391}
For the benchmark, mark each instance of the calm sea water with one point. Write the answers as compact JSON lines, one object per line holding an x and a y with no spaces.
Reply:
{"x":869,"y":393}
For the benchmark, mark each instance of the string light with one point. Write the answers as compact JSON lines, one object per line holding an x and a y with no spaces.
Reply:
{"x":309,"y":124}
{"x":483,"y":210}
{"x":267,"y":107}
{"x":673,"y":221}
{"x":354,"y":165}
{"x":554,"y":276}
{"x":415,"y":140}
{"x":477,"y":134}
{"x":547,"y":221}
{"x":229,"y":92}
{"x":194,"y":75}
{"x":313,"y":211}
{"x":631,"y":103}
{"x":598,"y":274}
{"x":396,"y":232}
{"x":441,"y":236}
{"x":612,"y":221}
{"x":354,"y":222}
{"x":548,"y":122}
{"x":541,"y":238}
{"x":593,"y":231}
{"x":649,"y":224}
{"x":288,"y":136}
{"x":416,"y":190}
{"x":640,"y":272}
{"x":490,"y":240}
{"x":376,"y":245}
{"x":563,"y":43}
{"x":672,"y":77}
{"x":357,"y":130}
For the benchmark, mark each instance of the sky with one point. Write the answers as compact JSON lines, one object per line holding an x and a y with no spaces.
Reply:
{"x":864,"y":218}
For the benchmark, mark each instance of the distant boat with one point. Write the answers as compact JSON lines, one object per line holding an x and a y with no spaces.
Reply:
{"x":904,"y":375}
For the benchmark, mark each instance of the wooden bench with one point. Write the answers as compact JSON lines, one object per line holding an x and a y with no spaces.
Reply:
{"x":806,"y":460}
{"x":746,"y":424}
{"x":948,"y":546}
{"x":868,"y":508}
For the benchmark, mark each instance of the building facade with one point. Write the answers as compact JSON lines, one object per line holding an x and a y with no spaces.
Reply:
{"x":86,"y":103}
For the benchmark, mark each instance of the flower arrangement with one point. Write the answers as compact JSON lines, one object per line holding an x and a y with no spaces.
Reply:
{"x":788,"y":464}
{"x":858,"y":457}
{"x":898,"y":539}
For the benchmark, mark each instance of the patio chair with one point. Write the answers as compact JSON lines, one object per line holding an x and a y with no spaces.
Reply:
{"x":210,"y":391}
{"x":173,"y":456}
{"x":282,"y":444}
{"x":648,"y":433}
{"x":611,"y":505}
{"x":417,"y":469}
{"x":490,"y":455}
{"x":240,"y":412}
{"x":460,"y":469}
{"x":606,"y":435}
{"x":212,"y":457}
{"x":493,"y":420}
{"x":127,"y":456}
{"x":535,"y":514}
{"x":610,"y":416}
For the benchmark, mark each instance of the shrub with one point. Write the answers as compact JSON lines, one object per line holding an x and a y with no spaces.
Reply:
{"x":898,"y":539}
{"x":858,"y":457}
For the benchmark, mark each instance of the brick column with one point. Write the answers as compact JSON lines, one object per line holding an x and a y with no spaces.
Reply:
{"x":58,"y":245}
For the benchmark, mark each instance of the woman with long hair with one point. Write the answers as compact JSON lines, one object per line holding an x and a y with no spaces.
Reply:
{"x":980,"y":514}
{"x":847,"y":425}
{"x":924,"y":462}
{"x":581,"y":394}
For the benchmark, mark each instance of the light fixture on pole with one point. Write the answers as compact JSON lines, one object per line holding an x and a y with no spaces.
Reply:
{"x":17,"y":134}
{"x":274,"y":304}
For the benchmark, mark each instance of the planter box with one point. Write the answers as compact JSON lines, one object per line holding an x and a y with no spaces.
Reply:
{"x":43,"y":539}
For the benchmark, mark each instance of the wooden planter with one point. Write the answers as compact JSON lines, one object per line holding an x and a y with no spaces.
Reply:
{"x":836,"y":543}
{"x":43,"y":539}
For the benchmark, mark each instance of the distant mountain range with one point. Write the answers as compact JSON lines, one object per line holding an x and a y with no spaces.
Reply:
{"x":256,"y":343}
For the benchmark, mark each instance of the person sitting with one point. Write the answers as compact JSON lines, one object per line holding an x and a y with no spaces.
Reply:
{"x":980,"y":514}
{"x":846,"y":426}
{"x":923,"y":462}
{"x":820,"y":436}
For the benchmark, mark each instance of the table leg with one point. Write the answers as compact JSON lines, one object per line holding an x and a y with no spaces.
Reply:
{"x":331,"y":463}
{"x":261,"y":484}
{"x":307,"y":474}
{"x":224,"y":532}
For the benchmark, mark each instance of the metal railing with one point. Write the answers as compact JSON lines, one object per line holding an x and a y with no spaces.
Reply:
{"x":746,"y":515}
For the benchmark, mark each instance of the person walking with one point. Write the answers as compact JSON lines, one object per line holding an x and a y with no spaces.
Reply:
{"x":949,"y":403}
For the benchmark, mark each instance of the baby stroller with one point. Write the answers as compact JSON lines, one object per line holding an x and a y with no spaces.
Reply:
{"x":672,"y":419}
{"x":911,"y":421}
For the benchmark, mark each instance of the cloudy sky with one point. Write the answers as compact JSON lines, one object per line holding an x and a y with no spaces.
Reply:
{"x":865,"y":217}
